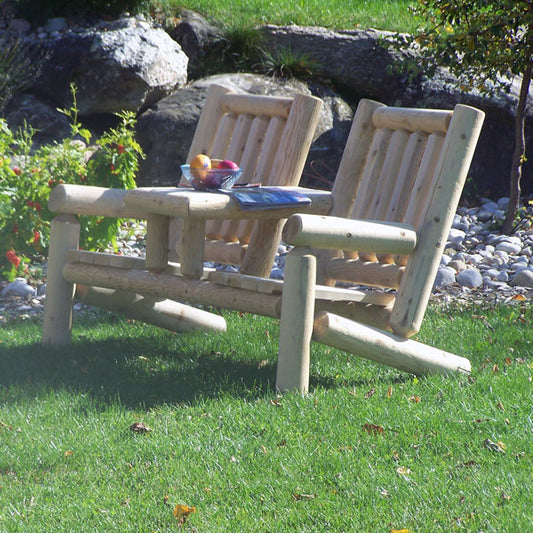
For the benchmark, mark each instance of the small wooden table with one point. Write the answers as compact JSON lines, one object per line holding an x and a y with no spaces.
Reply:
{"x":194,"y":208}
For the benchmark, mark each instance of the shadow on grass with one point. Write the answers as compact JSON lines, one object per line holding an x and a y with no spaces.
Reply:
{"x":151,"y":367}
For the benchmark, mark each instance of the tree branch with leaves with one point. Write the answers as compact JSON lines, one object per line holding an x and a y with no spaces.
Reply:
{"x":486,"y":44}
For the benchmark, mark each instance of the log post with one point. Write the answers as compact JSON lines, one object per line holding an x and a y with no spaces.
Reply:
{"x":157,"y":243}
{"x":192,"y":248}
{"x":385,"y":348}
{"x":64,"y":236}
{"x":162,"y":313}
{"x":296,"y":323}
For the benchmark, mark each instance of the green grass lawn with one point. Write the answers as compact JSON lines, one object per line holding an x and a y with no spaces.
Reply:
{"x":369,"y":449}
{"x":340,"y":14}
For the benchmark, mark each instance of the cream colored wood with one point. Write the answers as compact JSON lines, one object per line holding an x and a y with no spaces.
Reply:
{"x":64,"y":236}
{"x":262,"y":248}
{"x":271,"y":106}
{"x":188,"y":203}
{"x":97,"y":201}
{"x":223,"y":136}
{"x":163,"y":285}
{"x":157,"y":242}
{"x":425,"y":181}
{"x":226,"y":253}
{"x":106,"y":259}
{"x":405,"y":180}
{"x":295,"y":141}
{"x":263,"y":170}
{"x":374,"y":163}
{"x":371,"y":273}
{"x":386,"y":348}
{"x":339,"y":233}
{"x":192,"y":250}
{"x":417,"y":282}
{"x":296,"y":324}
{"x":202,"y":142}
{"x":167,"y":314}
{"x":386,"y":183}
{"x":401,"y":118}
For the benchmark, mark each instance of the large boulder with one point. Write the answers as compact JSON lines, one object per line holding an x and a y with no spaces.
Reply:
{"x":122,"y":65}
{"x":358,"y":65}
{"x":165,"y":132}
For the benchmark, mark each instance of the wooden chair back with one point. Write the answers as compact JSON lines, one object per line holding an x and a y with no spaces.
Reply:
{"x":269,"y":137}
{"x":402,"y":166}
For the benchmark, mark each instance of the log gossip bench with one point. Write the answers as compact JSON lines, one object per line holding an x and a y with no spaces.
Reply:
{"x":382,"y":228}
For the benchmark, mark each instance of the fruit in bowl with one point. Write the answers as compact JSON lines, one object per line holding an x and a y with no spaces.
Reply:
{"x":204,"y":173}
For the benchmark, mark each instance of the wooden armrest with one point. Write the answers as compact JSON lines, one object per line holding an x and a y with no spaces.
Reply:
{"x":88,"y":200}
{"x":334,"y":233}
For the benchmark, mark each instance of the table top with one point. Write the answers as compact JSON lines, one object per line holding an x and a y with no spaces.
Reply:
{"x":184,"y":202}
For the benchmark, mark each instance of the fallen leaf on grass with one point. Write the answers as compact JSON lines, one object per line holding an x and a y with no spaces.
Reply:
{"x":373,"y":429}
{"x":139,"y":427}
{"x":500,"y":406}
{"x":181,"y":512}
{"x":389,"y":392}
{"x":403,"y":471}
{"x":68,"y":453}
{"x":305,"y":497}
{"x":371,"y":392}
{"x":498,"y":447}
{"x":275,"y":403}
{"x":400,"y":531}
{"x":415,"y":399}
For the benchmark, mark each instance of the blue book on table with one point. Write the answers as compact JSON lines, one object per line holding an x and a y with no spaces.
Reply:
{"x":267,"y":197}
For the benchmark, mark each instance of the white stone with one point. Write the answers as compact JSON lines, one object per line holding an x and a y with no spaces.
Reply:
{"x":19,"y":287}
{"x":445,"y":276}
{"x":524,"y":278}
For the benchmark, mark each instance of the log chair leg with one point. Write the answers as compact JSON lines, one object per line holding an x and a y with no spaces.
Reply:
{"x":296,"y":323}
{"x":64,"y":236}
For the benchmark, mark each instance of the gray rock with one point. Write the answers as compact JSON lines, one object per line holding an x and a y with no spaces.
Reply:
{"x":56,"y":24}
{"x":470,"y":278}
{"x":457,"y":265}
{"x":19,"y":287}
{"x":524,"y":278}
{"x":445,"y":276}
{"x":123,"y":66}
{"x":509,"y":247}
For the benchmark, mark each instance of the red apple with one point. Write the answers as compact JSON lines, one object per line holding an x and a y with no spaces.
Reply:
{"x":227,"y":164}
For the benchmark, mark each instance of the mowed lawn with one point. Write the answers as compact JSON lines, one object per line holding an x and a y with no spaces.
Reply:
{"x":368,"y":449}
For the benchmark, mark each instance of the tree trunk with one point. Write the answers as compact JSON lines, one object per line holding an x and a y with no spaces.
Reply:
{"x":519,"y":152}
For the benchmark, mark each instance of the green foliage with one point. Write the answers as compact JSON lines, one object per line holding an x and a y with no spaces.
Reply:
{"x":287,"y":64}
{"x":20,"y":62}
{"x":26,"y":179}
{"x":484,"y":42}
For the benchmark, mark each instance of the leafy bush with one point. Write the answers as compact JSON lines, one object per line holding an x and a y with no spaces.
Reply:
{"x":27,"y":178}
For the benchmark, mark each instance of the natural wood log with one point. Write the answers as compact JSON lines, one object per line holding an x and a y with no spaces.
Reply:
{"x":167,"y":314}
{"x":271,"y":106}
{"x":163,"y":285}
{"x":192,"y":248}
{"x":369,"y":273}
{"x":262,"y":248}
{"x":86,"y":200}
{"x":226,"y":253}
{"x":105,"y":259}
{"x":417,"y":282}
{"x":346,"y":234}
{"x":188,"y":203}
{"x":428,"y":120}
{"x":386,"y":348}
{"x":157,"y":242}
{"x":64,"y":236}
{"x":296,"y":324}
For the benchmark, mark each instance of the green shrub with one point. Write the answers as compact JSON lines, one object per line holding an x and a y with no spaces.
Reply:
{"x":27,"y":178}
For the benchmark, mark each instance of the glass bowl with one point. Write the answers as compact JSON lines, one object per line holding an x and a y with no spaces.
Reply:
{"x":211,"y":179}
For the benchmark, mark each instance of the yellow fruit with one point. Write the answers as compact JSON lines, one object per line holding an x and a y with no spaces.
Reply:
{"x":200,"y":163}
